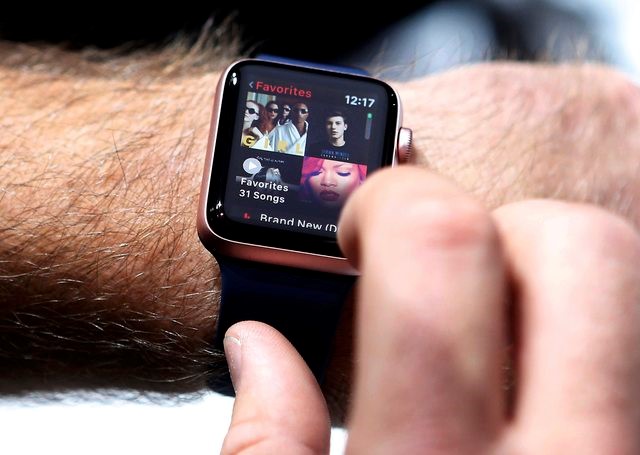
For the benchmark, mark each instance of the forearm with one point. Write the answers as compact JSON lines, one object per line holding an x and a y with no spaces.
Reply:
{"x":102,"y":277}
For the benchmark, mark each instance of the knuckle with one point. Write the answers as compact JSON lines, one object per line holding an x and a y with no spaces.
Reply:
{"x":449,"y":223}
{"x":457,"y":234}
{"x":244,"y":436}
{"x":257,"y":436}
{"x":424,"y":209}
{"x":588,"y":230}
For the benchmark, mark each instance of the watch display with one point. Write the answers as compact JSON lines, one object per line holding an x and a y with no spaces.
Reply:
{"x":291,"y":145}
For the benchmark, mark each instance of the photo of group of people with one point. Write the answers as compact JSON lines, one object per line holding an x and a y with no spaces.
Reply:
{"x":273,"y":126}
{"x":330,"y":163}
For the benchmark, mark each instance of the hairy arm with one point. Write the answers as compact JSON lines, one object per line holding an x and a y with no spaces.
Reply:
{"x":514,"y":131}
{"x":102,"y":278}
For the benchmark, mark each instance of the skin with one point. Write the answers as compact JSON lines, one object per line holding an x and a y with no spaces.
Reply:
{"x":248,"y":121}
{"x":274,"y":114}
{"x":334,"y":182}
{"x":286,"y":110}
{"x":94,"y":294}
{"x":430,"y":373}
{"x":298,"y":119}
{"x":249,"y":118}
{"x":335,"y":130}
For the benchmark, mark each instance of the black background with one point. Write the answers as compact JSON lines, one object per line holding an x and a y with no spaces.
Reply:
{"x":319,"y":31}
{"x":283,"y":28}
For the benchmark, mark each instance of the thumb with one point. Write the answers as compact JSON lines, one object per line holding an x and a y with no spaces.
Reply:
{"x":279,"y":407}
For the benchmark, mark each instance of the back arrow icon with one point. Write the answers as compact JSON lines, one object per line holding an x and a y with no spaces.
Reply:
{"x":251,"y":84}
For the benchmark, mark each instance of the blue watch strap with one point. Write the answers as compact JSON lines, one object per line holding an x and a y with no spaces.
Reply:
{"x":304,"y":305}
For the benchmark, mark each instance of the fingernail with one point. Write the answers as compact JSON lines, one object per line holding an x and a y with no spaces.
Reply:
{"x":233,"y":351}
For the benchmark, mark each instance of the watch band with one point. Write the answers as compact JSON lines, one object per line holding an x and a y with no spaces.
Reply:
{"x":304,"y":305}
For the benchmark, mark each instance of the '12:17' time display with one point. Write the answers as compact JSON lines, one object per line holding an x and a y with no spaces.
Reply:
{"x":359,"y":101}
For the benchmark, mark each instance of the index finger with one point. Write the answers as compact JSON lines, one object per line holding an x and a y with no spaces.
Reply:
{"x":429,"y":316}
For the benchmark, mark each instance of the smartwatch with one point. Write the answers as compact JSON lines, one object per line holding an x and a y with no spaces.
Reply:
{"x":289,"y":143}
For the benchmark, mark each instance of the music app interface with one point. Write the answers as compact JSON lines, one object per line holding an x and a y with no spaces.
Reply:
{"x":302,"y":144}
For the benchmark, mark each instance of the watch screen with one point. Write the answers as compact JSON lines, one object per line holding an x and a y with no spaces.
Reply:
{"x":292,"y":145}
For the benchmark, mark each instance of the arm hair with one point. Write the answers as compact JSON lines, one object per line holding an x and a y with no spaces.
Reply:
{"x":103,"y":281}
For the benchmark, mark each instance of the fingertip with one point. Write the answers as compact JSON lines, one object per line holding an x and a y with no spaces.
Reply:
{"x":263,"y":351}
{"x":277,"y":396}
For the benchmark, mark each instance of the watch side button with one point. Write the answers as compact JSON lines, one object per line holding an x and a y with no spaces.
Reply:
{"x":404,"y":145}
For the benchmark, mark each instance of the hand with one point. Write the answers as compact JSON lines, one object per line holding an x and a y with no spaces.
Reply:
{"x":445,"y":286}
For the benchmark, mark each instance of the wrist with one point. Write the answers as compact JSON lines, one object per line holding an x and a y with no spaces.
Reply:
{"x":103,"y":277}
{"x":508,"y":131}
